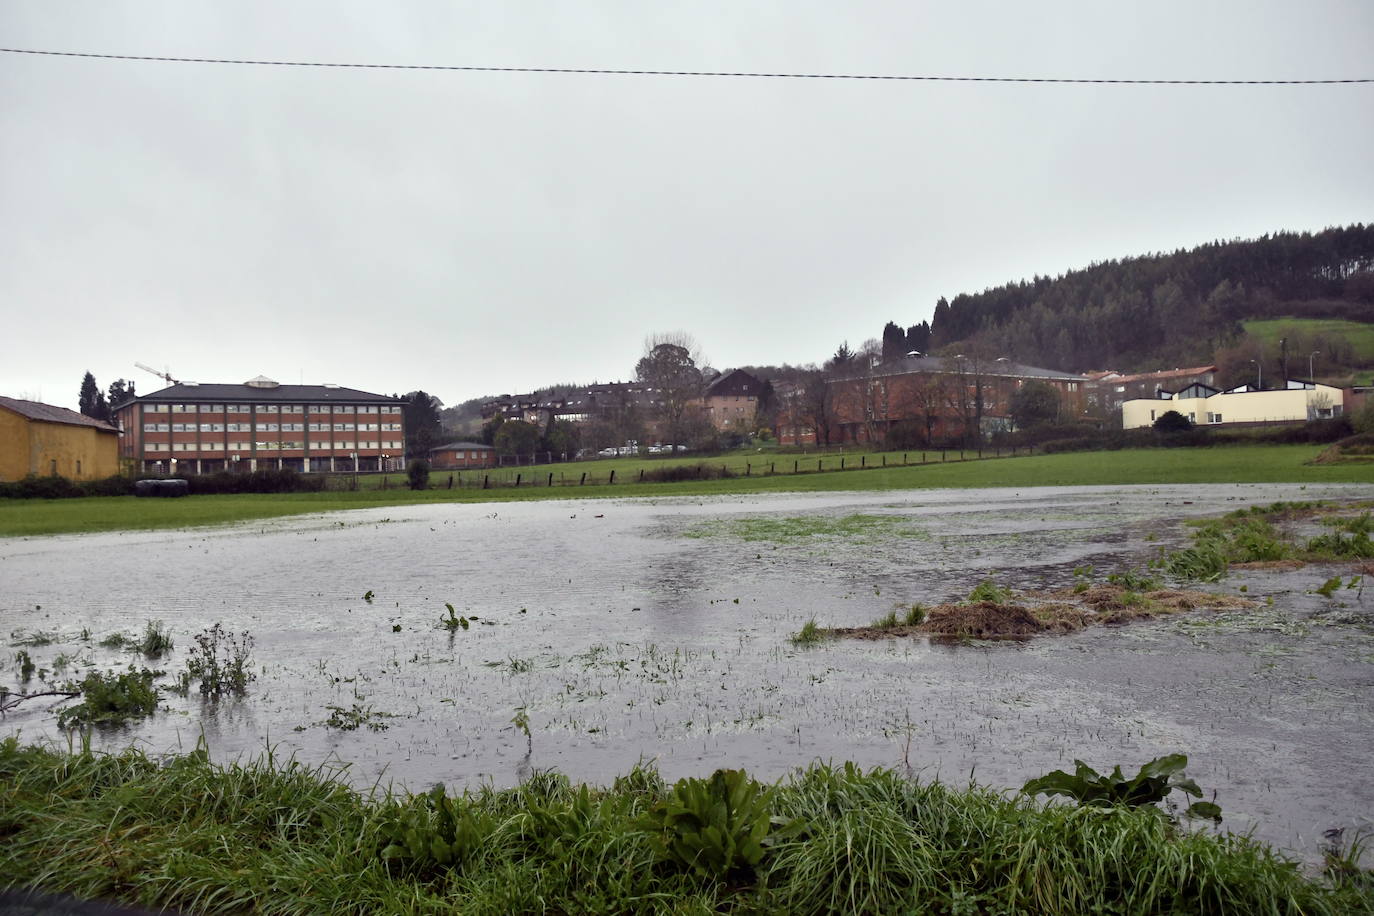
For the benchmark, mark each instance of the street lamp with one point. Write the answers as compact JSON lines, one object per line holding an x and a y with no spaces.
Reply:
{"x":1260,"y":366}
{"x":1310,"y":376}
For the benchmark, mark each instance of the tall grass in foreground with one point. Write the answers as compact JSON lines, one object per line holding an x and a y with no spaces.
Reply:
{"x":277,"y":836}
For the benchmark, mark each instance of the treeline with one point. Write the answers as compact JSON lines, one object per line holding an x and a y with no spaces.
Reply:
{"x":1144,"y":312}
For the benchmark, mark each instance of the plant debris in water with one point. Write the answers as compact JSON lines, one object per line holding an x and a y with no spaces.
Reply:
{"x":1043,"y":613}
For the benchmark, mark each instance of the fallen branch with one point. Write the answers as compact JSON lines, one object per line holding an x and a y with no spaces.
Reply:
{"x":10,"y":700}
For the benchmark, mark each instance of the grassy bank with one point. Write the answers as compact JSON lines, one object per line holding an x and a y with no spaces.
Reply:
{"x":1230,"y":464}
{"x":272,"y":836}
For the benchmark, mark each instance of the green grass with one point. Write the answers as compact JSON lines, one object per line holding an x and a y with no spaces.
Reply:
{"x":277,"y":836}
{"x":1359,"y":335}
{"x":1228,"y":464}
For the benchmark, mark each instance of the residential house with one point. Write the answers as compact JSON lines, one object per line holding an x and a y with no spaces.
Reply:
{"x":731,"y":400}
{"x":459,"y":455}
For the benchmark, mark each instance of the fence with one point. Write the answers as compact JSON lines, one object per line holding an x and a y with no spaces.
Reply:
{"x":770,"y":466}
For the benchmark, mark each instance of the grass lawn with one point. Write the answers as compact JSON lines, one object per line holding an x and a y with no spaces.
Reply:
{"x":279,"y":837}
{"x":1359,"y":335}
{"x":1229,"y":464}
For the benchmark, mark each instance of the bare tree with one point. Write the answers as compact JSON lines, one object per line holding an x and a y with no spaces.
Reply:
{"x":671,"y":365}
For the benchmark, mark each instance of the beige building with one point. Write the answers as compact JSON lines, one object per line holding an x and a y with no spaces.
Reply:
{"x":44,"y":440}
{"x":1204,"y":405}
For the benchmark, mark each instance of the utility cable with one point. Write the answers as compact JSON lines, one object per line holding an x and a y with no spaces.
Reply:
{"x":736,"y":74}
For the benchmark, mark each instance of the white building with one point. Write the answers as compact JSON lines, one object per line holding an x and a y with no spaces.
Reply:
{"x":1298,"y":402}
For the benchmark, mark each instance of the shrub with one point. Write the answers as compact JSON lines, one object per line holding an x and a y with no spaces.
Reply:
{"x":681,"y":472}
{"x":1171,"y":421}
{"x":417,"y":473}
{"x":1154,"y":783}
{"x":110,"y":698}
{"x":219,"y":661}
{"x":717,"y":827}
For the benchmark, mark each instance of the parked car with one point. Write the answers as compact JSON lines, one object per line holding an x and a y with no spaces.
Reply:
{"x":608,"y":453}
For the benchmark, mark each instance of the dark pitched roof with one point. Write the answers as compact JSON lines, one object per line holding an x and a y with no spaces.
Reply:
{"x":46,"y":413}
{"x":462,"y":445}
{"x":193,"y":391}
{"x":734,"y":383}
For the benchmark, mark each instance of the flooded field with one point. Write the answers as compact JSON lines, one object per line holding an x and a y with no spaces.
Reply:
{"x":658,"y":630}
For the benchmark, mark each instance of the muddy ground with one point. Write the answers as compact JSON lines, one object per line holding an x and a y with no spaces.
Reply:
{"x":658,"y":630}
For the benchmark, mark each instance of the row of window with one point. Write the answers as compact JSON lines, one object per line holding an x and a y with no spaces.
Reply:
{"x":153,"y":448}
{"x":268,"y":427}
{"x":269,"y":408}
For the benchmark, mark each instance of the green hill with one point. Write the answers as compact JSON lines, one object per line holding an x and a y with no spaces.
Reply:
{"x":1181,"y":308}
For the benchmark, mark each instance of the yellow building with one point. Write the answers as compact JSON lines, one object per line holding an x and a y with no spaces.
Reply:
{"x":1206,"y":406}
{"x":45,"y":440}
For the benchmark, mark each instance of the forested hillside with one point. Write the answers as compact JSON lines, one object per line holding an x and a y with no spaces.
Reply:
{"x":1165,"y":309}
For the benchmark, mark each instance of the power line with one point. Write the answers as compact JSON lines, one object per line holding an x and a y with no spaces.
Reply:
{"x":601,"y":71}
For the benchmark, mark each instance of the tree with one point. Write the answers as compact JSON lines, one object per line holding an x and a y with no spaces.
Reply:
{"x":91,"y":401}
{"x":766,"y":407}
{"x":562,"y":438}
{"x":417,"y":473}
{"x":815,"y":406}
{"x":518,"y":438}
{"x":670,"y":367}
{"x":894,"y":342}
{"x":491,"y":428}
{"x":121,"y":390}
{"x":1033,"y":404}
{"x":422,"y":422}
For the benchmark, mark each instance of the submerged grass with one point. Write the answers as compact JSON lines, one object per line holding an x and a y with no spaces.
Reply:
{"x":270,"y":835}
{"x":1226,"y":464}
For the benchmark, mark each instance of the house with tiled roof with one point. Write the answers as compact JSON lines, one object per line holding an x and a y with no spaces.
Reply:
{"x":41,"y":439}
{"x":731,"y":400}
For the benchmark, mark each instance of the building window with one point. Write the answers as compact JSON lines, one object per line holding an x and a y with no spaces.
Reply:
{"x":267,"y":427}
{"x":155,"y":408}
{"x":78,"y":466}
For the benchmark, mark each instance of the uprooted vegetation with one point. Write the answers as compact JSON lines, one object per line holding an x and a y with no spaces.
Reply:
{"x":994,"y":612}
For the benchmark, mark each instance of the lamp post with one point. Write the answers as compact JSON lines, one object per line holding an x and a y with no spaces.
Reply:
{"x":354,"y":456}
{"x":1310,"y":376}
{"x":1259,"y":364}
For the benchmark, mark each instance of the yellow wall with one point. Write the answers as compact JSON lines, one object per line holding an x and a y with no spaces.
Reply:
{"x":35,"y":447}
{"x":14,"y":445}
{"x":1285,"y":405}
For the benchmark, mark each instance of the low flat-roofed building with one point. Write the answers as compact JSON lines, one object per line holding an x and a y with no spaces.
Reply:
{"x":458,"y":455}
{"x":1297,"y":402}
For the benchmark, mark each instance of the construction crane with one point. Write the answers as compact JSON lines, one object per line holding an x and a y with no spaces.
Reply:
{"x":165,"y":376}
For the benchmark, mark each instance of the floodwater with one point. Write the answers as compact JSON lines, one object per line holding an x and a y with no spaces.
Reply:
{"x":657,"y":630}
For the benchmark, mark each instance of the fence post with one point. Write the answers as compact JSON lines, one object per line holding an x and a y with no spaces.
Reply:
{"x":583,"y":480}
{"x":550,"y":478}
{"x":486,"y":481}
{"x":517,"y":479}
{"x":748,"y":469}
{"x":641,"y":475}
{"x":942,"y":454}
{"x":818,"y":463}
{"x":612,"y":480}
{"x":794,"y":466}
{"x":841,"y":462}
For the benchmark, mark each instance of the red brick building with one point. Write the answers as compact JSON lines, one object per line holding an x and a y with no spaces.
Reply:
{"x":949,"y":399}
{"x":458,"y":455}
{"x":193,"y":428}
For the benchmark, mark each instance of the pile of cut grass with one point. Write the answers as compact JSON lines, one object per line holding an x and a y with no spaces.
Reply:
{"x":273,"y":836}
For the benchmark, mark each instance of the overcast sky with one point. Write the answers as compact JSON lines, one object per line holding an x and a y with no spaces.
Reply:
{"x":480,"y":233}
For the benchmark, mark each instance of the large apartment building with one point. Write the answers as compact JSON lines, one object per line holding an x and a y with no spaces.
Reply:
{"x":194,"y":428}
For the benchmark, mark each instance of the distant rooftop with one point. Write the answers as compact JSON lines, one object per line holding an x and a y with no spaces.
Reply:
{"x":262,"y":388}
{"x":47,"y":413}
